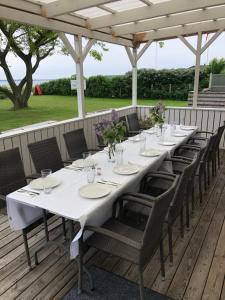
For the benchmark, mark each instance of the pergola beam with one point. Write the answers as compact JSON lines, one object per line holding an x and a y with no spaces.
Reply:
{"x":153,"y":11}
{"x":7,"y":13}
{"x":174,"y":32}
{"x":60,"y":7}
{"x":170,"y":21}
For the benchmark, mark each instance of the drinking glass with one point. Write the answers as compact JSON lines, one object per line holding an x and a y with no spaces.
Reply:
{"x":142,"y":142}
{"x":44,"y":174}
{"x":90,"y":172}
{"x":119,"y":154}
{"x":172,"y":128}
{"x":87,"y":159}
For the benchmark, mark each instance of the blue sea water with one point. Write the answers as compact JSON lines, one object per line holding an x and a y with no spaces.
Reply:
{"x":35,"y":81}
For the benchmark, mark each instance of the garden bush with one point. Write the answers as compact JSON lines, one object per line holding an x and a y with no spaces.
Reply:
{"x":154,"y":84}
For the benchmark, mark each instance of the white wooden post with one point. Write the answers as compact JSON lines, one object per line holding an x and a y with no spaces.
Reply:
{"x":197,"y":70}
{"x":134,"y":57}
{"x":134,"y":78}
{"x":79,"y":76}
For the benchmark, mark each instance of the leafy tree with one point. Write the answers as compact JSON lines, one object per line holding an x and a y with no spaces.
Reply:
{"x":31,"y":44}
{"x":216,"y":66}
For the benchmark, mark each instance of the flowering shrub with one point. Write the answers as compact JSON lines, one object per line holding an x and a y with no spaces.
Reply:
{"x":111,"y":130}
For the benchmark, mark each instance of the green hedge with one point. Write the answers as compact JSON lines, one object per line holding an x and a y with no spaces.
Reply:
{"x":155,"y":84}
{"x":57,"y":87}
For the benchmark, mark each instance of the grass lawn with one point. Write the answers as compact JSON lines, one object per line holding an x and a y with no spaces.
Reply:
{"x":43,"y":108}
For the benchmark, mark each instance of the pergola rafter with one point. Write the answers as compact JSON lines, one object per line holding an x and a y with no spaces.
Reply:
{"x":123,"y":22}
{"x":153,"y":11}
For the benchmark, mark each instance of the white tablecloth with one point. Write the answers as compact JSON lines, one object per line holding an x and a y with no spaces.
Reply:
{"x":65,"y":200}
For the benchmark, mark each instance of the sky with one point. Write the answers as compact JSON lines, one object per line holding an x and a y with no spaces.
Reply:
{"x":174,"y":54}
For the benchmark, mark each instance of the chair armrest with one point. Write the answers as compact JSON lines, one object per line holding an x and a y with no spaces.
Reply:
{"x":161,"y":175}
{"x":139,"y":198}
{"x":33,"y":176}
{"x":203,"y":131}
{"x":189,"y":147}
{"x":2,"y":197}
{"x":181,"y":159}
{"x":197,"y":138}
{"x":121,"y":238}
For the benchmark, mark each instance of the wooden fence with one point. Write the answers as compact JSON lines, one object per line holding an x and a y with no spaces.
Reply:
{"x":204,"y":118}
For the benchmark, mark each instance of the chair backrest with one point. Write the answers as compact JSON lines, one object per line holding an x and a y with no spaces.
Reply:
{"x":123,"y":119}
{"x":46,"y":155}
{"x":12,"y":176}
{"x":211,"y":146}
{"x":181,"y":190}
{"x":75,"y":143}
{"x":133,"y":122}
{"x":154,"y":226}
{"x":219,"y":137}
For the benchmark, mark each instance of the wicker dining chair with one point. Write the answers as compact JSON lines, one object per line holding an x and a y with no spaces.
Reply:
{"x":76,"y":143}
{"x":127,"y":242}
{"x":12,"y":178}
{"x":180,"y":197}
{"x":46,"y":155}
{"x":133,"y":124}
{"x":124,"y":120}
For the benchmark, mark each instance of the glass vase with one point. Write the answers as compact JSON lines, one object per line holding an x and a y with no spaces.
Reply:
{"x":111,"y":152}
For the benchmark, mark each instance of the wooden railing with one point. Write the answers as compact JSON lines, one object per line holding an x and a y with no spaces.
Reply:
{"x":205,"y":118}
{"x":208,"y":119}
{"x":22,"y":137}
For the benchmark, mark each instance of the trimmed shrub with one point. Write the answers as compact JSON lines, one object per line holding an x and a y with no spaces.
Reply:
{"x":155,"y":84}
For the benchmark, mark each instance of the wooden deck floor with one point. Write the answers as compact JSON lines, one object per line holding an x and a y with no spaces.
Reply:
{"x":198,"y":271}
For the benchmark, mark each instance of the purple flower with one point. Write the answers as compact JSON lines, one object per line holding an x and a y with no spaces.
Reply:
{"x":114,"y":116}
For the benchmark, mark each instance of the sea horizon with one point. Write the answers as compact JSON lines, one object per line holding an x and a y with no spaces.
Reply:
{"x":35,"y":81}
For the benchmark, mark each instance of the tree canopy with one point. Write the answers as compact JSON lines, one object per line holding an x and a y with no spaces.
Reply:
{"x":31,"y":44}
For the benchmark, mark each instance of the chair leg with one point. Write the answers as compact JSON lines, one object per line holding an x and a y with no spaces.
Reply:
{"x":170,"y":238}
{"x":205,"y":178}
{"x":141,"y":283}
{"x":193,"y":197}
{"x":45,"y":220}
{"x":218,"y":157}
{"x":187,"y":212}
{"x":182,"y":222}
{"x":80,"y":267}
{"x":208,"y":173}
{"x":162,"y":259}
{"x":26,"y":248}
{"x":200,"y":186}
{"x":64,"y":226}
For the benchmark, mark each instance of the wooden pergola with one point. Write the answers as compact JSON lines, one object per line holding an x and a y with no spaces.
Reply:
{"x":128,"y":23}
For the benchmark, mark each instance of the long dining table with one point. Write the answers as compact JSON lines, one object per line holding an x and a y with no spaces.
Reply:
{"x":65,"y":199}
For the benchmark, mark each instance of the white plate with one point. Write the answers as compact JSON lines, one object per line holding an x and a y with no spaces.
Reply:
{"x":179,"y":134}
{"x":151,"y":153}
{"x":81,"y":163}
{"x":128,"y":169}
{"x":40,"y":183}
{"x":94,"y":191}
{"x":187,"y":128}
{"x":169,"y":143}
{"x":134,"y":139}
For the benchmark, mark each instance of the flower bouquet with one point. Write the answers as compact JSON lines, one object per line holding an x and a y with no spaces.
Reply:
{"x":112,"y":132}
{"x":157,"y":114}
